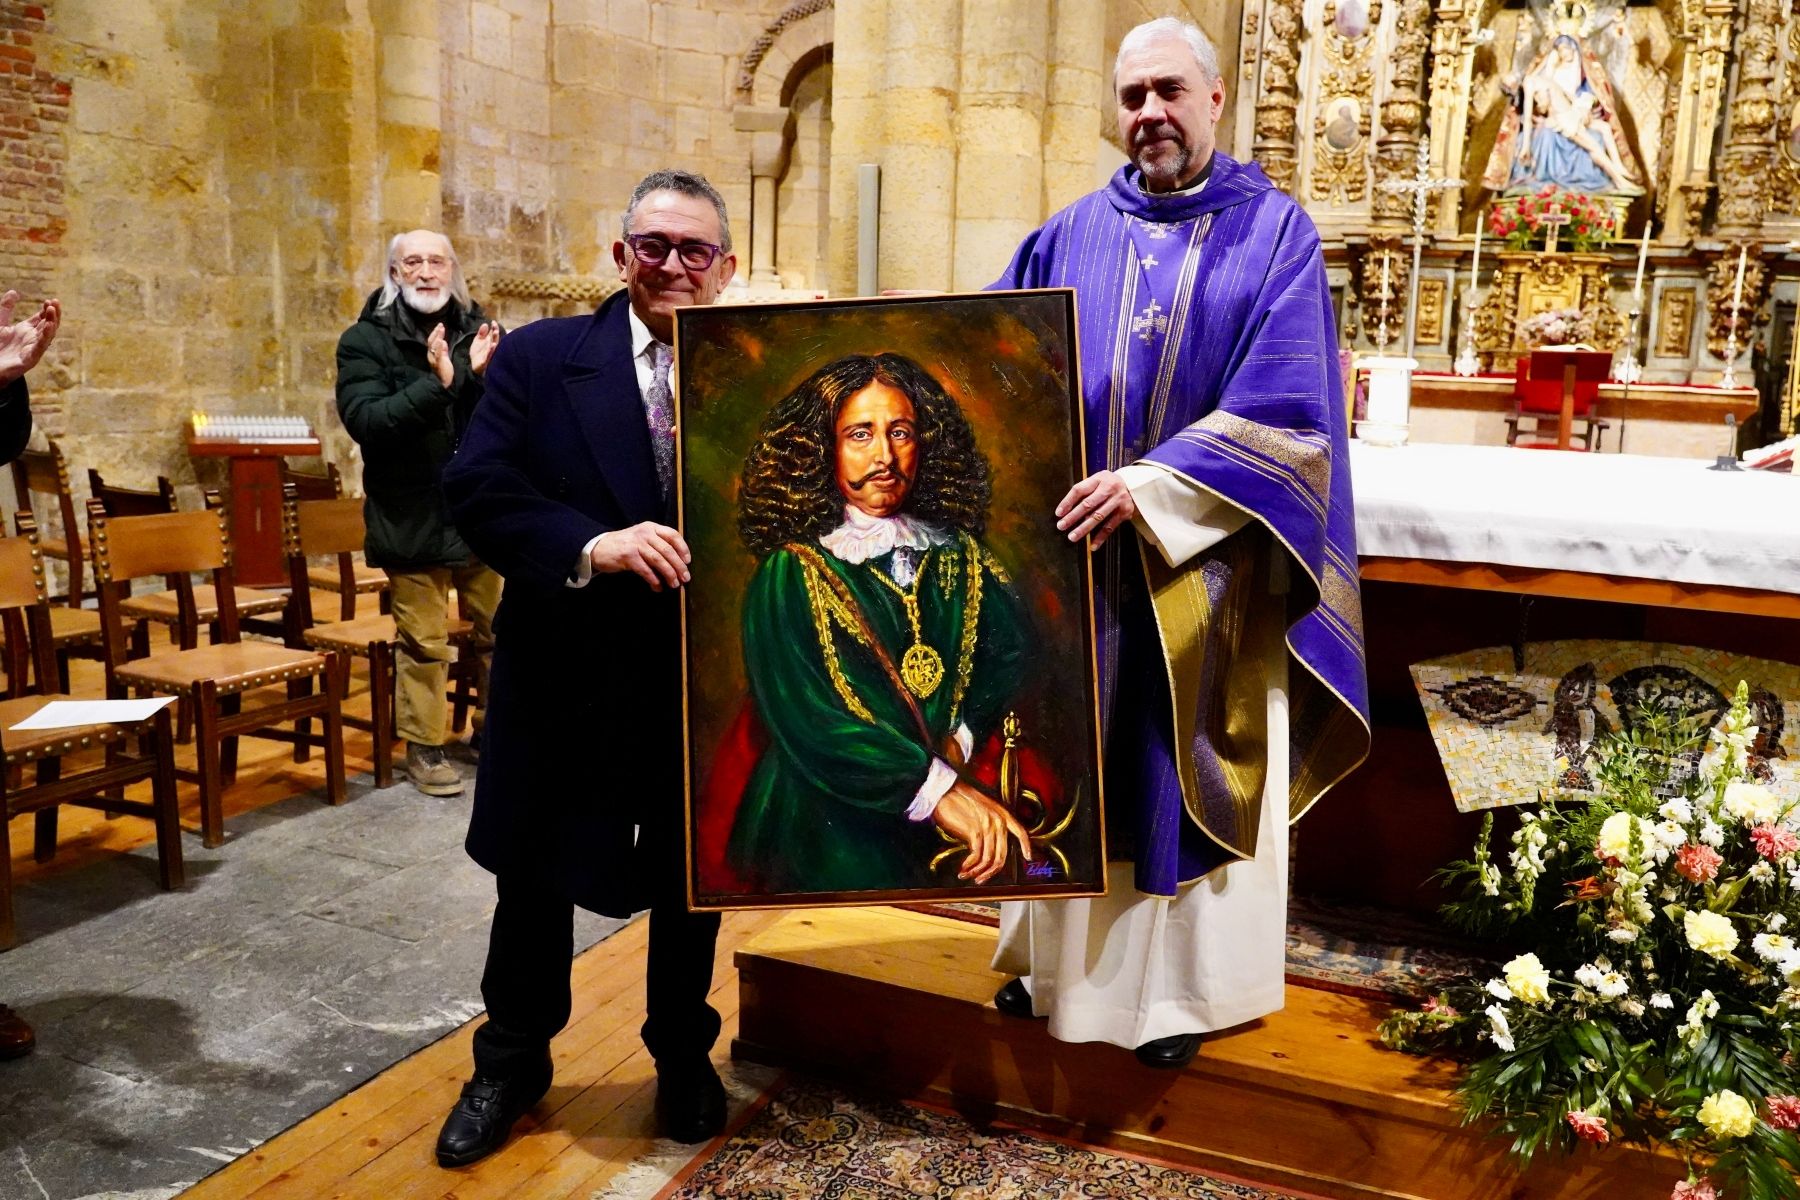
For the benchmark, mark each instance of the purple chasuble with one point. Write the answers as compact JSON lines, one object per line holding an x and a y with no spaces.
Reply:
{"x":1208,"y":346}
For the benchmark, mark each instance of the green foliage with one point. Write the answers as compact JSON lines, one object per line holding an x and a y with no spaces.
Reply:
{"x":1659,"y":1001}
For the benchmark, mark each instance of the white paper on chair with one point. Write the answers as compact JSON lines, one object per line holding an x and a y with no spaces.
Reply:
{"x":61,"y":714}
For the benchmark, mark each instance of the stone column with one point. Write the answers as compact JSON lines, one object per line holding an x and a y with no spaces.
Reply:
{"x":1073,"y":115}
{"x":859,"y":41}
{"x":999,"y":135}
{"x":771,"y":133}
{"x":409,"y":62}
{"x":918,"y":177}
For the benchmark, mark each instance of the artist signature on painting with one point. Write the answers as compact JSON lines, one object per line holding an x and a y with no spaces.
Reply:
{"x":1041,"y":869}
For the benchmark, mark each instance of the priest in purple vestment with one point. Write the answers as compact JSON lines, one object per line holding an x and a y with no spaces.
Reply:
{"x":1230,"y":624}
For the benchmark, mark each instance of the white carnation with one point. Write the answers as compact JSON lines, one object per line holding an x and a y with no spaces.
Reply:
{"x":1588,"y":976}
{"x":1623,"y":933}
{"x":1662,"y":1000}
{"x":1613,"y":985}
{"x":1677,"y":810}
{"x":1761,"y":872}
{"x":1777,"y":922}
{"x":1751,"y":803}
{"x":1631,"y":1008}
{"x":1772,"y":947}
{"x":1498,"y":1029}
{"x":1497,"y":988}
{"x":1712,"y":833}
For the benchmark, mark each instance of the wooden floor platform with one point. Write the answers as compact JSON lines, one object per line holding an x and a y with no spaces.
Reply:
{"x":1306,"y":1098}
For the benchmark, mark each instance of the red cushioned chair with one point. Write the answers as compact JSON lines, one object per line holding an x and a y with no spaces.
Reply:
{"x":1539,"y":401}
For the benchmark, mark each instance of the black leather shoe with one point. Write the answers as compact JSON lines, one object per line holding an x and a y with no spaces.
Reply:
{"x":690,"y":1103}
{"x":485,"y":1114}
{"x":1014,"y":999}
{"x":1170,"y":1053}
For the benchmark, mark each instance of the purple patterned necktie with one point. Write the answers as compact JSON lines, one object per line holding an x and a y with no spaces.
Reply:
{"x":659,"y":409}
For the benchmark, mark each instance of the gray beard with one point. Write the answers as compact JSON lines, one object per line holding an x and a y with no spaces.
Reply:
{"x":422,"y":304}
{"x":1170,"y":171}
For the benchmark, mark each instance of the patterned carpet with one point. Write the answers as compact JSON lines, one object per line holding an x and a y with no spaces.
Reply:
{"x":810,"y":1141}
{"x":1360,"y":951}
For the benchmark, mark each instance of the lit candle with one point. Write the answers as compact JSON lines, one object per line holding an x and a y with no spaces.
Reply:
{"x":1475,"y":267}
{"x":1637,"y":285}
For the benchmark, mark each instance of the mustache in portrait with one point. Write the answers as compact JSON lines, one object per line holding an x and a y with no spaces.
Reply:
{"x":886,"y":472}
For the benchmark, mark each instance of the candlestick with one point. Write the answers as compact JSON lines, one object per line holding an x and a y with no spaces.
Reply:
{"x":1729,"y":379}
{"x":1637,"y":285}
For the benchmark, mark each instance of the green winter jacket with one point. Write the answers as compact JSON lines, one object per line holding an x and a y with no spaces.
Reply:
{"x":407,"y":424}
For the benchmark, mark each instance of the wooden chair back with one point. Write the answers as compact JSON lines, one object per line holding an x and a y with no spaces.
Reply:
{"x":132,"y":502}
{"x":174,"y":545}
{"x":25,"y":611}
{"x":311,"y":486}
{"x":46,"y":472}
{"x":320,"y":528}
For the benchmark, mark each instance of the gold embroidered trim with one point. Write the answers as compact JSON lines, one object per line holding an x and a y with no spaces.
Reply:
{"x":830,"y":603}
{"x":965,"y":659}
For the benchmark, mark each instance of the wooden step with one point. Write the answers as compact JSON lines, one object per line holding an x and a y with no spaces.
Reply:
{"x":1307,"y":1098}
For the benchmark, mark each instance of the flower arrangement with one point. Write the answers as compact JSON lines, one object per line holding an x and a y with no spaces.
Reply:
{"x":1660,"y":999}
{"x":1520,"y":219}
{"x":1557,"y":327}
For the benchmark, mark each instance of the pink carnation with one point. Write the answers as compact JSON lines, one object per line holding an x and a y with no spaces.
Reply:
{"x":1439,"y":1008}
{"x":1784,"y":1112}
{"x":1589,"y":1128}
{"x":1774,"y":842}
{"x":1694,"y":1191}
{"x":1697,"y":863}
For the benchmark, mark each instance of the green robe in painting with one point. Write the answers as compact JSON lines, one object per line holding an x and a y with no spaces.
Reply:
{"x":825,"y":807}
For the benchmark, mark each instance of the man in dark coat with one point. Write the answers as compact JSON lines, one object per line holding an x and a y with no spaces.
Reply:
{"x":21,"y":346}
{"x":409,"y":375}
{"x":564,"y":482}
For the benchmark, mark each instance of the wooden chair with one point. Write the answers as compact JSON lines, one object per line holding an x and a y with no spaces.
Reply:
{"x":74,"y":632}
{"x":164,"y":607}
{"x":347,"y":583}
{"x":25,"y":613}
{"x":132,"y":502}
{"x":47,"y":472}
{"x":315,"y":528}
{"x":213,"y":678}
{"x":311,"y":486}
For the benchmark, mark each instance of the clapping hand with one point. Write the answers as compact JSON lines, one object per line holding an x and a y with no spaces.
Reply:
{"x":437,"y":355}
{"x":482,"y":348}
{"x":24,"y":343}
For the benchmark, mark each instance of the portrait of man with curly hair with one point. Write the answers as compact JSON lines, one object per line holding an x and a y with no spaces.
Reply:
{"x":882,"y":640}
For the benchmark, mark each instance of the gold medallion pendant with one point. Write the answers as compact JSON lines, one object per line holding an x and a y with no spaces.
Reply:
{"x":922,"y":669}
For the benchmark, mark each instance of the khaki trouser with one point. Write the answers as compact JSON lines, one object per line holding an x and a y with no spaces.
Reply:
{"x":422,"y":655}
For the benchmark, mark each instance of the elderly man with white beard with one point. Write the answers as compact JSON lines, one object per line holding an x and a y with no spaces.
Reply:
{"x":409,"y":375}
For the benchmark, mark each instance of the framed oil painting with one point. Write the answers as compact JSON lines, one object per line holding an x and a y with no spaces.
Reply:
{"x":890,"y":677}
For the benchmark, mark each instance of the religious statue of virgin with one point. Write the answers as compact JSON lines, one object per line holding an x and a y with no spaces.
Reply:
{"x":1562,"y":125}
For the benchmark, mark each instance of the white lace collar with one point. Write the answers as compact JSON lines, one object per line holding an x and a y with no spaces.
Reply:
{"x":862,"y":537}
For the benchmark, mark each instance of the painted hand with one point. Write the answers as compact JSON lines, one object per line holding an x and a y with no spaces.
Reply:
{"x":24,"y":343}
{"x":437,"y":356}
{"x":654,"y":553}
{"x":482,"y":348}
{"x":981,"y":825}
{"x":1096,"y":507}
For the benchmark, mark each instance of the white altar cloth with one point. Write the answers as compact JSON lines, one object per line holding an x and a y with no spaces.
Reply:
{"x":1666,"y":519}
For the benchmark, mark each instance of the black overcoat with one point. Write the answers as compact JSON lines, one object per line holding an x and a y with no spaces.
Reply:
{"x":582,"y":744}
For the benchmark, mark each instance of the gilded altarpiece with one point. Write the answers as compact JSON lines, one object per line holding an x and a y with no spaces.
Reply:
{"x":1526,"y":284}
{"x":1698,"y":100}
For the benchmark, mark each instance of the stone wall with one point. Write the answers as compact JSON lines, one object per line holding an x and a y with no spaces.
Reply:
{"x":210,"y":187}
